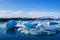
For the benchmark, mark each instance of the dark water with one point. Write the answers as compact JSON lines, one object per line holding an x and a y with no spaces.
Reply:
{"x":19,"y":36}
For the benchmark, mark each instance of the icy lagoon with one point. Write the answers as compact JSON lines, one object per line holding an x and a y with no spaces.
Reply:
{"x":19,"y":36}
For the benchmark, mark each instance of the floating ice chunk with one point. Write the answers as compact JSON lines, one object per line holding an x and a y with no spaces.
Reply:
{"x":25,"y":31}
{"x":46,"y":24}
{"x":51,"y":32}
{"x":20,"y":29}
{"x":10,"y":27}
{"x":51,"y":28}
{"x":53,"y":23}
{"x":20,"y":25}
{"x":11,"y":24}
{"x":29,"y":25}
{"x":42,"y":32}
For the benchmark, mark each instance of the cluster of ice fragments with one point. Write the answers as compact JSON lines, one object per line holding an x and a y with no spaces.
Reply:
{"x":45,"y":27}
{"x":39,"y":27}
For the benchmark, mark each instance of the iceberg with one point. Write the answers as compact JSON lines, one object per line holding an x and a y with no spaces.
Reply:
{"x":10,"y":27}
{"x":29,"y":25}
{"x":11,"y":24}
{"x":53,"y":23}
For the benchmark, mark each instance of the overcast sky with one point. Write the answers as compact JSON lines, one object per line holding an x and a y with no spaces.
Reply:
{"x":29,"y":8}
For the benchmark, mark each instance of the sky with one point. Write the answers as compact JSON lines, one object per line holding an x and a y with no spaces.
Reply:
{"x":29,"y":8}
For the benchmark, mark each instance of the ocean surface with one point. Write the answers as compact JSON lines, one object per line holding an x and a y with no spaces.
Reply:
{"x":18,"y":36}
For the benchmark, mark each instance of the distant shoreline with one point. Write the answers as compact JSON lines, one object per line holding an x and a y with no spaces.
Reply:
{"x":7,"y":19}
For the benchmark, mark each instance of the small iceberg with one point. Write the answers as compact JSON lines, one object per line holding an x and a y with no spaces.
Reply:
{"x":53,"y":23}
{"x":10,"y":27}
{"x":11,"y":24}
{"x":29,"y":25}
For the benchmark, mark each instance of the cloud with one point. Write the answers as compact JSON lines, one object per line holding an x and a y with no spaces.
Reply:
{"x":31,"y":14}
{"x":10,"y":14}
{"x":41,"y":14}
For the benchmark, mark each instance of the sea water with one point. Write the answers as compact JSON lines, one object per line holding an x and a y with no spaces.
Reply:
{"x":18,"y":36}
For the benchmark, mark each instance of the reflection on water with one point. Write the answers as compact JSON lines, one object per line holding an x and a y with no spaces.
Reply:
{"x":9,"y":31}
{"x":15,"y":35}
